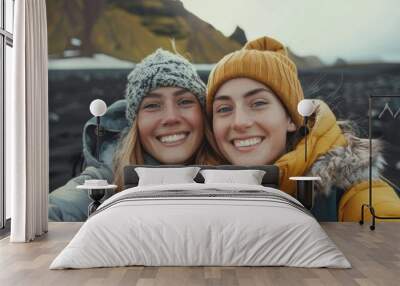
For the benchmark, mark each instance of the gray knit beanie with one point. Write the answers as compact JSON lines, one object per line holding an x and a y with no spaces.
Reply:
{"x":161,"y":69}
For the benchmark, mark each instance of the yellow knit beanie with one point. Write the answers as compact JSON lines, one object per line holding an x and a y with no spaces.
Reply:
{"x":264,"y":60}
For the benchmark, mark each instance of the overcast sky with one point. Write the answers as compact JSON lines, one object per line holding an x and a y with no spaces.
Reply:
{"x":356,"y":30}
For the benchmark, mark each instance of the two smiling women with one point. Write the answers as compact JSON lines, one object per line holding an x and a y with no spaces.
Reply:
{"x":251,"y":106}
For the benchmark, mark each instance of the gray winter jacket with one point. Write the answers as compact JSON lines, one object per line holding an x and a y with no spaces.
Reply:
{"x":67,"y":203}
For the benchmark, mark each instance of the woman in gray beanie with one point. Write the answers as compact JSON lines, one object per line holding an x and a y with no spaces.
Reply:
{"x":161,"y":121}
{"x":165,"y":108}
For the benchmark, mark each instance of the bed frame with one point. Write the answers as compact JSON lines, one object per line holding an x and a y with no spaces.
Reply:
{"x":270,"y":179}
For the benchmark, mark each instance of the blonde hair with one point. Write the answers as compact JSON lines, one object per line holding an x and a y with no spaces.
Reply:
{"x":130,"y":152}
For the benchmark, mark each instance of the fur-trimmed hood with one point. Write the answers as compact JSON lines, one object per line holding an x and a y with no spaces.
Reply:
{"x":334,"y":153}
{"x":347,"y":166}
{"x":341,"y":159}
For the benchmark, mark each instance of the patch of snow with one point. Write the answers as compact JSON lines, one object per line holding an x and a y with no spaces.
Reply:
{"x":72,"y":61}
{"x":76,"y":42}
{"x":98,"y":61}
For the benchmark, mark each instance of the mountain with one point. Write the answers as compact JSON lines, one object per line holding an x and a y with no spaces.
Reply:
{"x":130,"y":30}
{"x":306,"y":62}
{"x":340,"y":62}
{"x":239,"y":36}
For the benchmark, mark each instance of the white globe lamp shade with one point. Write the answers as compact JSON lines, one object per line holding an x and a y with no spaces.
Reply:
{"x":306,"y":107}
{"x":98,"y":107}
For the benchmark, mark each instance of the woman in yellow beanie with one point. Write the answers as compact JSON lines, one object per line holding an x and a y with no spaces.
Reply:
{"x":252,"y":101}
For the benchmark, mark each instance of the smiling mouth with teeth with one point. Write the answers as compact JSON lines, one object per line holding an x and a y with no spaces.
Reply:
{"x":249,"y":142}
{"x":173,"y":138}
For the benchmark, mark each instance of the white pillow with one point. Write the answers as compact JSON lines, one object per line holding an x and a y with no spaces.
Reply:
{"x":162,"y":176}
{"x":248,"y":177}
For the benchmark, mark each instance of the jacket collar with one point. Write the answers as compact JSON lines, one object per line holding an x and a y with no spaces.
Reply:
{"x":325,"y":135}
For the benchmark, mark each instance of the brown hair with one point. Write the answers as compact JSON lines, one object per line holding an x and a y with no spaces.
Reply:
{"x":208,"y":153}
{"x":293,"y":138}
{"x":129,"y":151}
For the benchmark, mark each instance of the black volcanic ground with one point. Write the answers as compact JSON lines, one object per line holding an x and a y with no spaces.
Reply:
{"x":345,"y":89}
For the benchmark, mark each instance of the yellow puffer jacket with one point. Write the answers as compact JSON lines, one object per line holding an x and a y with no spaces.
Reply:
{"x":341,"y":160}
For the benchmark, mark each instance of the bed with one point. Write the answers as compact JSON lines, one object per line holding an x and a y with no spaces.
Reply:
{"x":201,"y":224}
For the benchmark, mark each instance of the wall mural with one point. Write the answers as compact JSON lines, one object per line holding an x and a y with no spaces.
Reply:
{"x":150,"y":61}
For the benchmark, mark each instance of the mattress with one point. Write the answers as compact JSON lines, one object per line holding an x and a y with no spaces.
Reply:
{"x":201,"y":225}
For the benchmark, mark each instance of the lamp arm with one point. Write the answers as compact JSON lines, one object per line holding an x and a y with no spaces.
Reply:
{"x":305,"y":134}
{"x":98,"y":138}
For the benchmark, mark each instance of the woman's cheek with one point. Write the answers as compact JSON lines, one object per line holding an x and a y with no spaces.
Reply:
{"x":220,"y":128}
{"x":271,"y":119}
{"x":147,"y":124}
{"x":198,"y":128}
{"x":194,"y":117}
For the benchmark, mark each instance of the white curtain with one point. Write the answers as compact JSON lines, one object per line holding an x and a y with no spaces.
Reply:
{"x":27,"y":124}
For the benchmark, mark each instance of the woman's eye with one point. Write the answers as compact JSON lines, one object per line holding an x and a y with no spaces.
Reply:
{"x":259,"y":103}
{"x":151,"y":106}
{"x":185,"y":101}
{"x":223,"y":109}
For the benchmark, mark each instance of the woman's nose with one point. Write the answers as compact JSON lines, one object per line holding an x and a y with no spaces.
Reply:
{"x":171,"y":115}
{"x":242,"y":120}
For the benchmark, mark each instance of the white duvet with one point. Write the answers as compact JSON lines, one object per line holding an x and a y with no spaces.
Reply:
{"x":207,"y":230}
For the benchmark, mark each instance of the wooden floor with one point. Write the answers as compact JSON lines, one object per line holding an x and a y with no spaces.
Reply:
{"x":374,"y":255}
